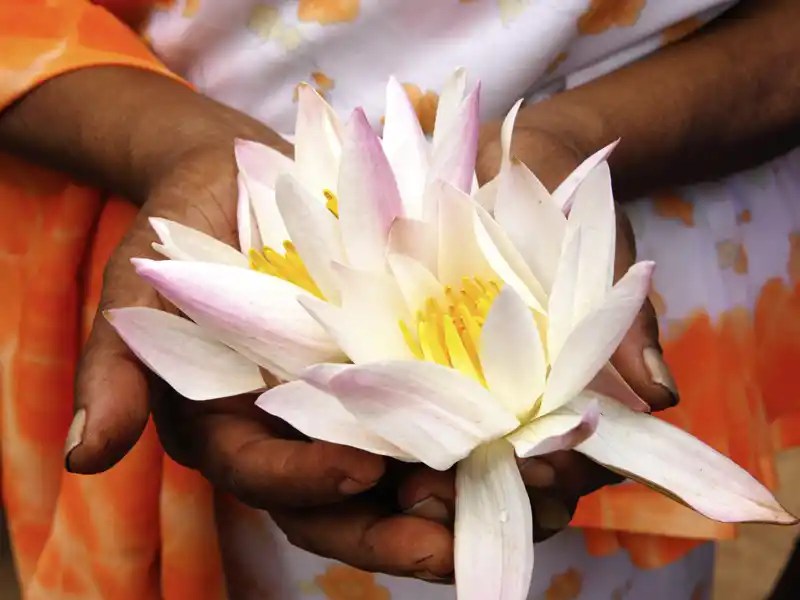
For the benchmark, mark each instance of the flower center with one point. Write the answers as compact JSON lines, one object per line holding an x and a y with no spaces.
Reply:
{"x":288,"y":266}
{"x":448,"y":332}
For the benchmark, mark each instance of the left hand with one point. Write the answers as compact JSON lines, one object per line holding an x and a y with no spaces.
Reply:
{"x":557,"y":481}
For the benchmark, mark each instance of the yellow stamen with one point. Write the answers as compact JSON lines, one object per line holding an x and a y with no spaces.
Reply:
{"x":331,"y":202}
{"x":448,"y":332}
{"x":288,"y":266}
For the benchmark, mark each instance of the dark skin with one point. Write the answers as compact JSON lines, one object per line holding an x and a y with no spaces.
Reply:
{"x":176,"y":162}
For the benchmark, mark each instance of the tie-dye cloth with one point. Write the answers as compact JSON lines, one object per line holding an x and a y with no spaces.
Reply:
{"x":727,"y":291}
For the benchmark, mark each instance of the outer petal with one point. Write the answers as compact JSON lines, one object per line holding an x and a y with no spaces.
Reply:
{"x":507,"y":133}
{"x":562,"y":429}
{"x":493,"y":528}
{"x":454,"y":154}
{"x":247,"y":304}
{"x":561,"y":305}
{"x":249,"y":236}
{"x":564,"y":193}
{"x":369,"y":200}
{"x":322,"y":417}
{"x":449,"y":102}
{"x":429,"y":411}
{"x":417,"y":240}
{"x":318,"y":142}
{"x":593,"y":214}
{"x":367,"y":326}
{"x":532,"y":221}
{"x":179,"y":242}
{"x":188,"y":358}
{"x":596,"y":337}
{"x":674,"y":462}
{"x":406,"y":148}
{"x":512,"y":355}
{"x":608,"y":382}
{"x":314,"y":231}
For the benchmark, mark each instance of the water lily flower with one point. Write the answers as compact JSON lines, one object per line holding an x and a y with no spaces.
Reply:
{"x":473,"y":362}
{"x":292,"y":228}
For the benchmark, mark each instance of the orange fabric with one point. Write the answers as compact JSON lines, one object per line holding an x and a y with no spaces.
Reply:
{"x":40,"y":40}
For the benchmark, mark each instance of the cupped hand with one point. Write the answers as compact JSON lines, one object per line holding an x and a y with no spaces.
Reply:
{"x":557,"y":481}
{"x":312,"y":489}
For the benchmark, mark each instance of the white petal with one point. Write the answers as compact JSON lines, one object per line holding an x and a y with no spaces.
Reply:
{"x":188,"y":358}
{"x":493,"y":527}
{"x":561,"y":306}
{"x":507,"y":133}
{"x":532,"y":221}
{"x":593,"y":214}
{"x":367,"y":326}
{"x":246,"y":304}
{"x":314,"y":232}
{"x":416,"y":282}
{"x":511,"y":354}
{"x":562,"y":429}
{"x":321,"y":416}
{"x":506,"y":261}
{"x":486,"y":195}
{"x":433,"y":413}
{"x":369,"y":200}
{"x":459,"y":253}
{"x":454,"y":154}
{"x":179,"y":242}
{"x":318,"y":142}
{"x":564,"y":194}
{"x":608,"y":382}
{"x":415,"y":239}
{"x":652,"y":451}
{"x":596,"y":337}
{"x":249,"y":236}
{"x":406,"y":148}
{"x":450,"y":99}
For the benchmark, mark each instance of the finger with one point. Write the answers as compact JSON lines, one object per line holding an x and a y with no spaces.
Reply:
{"x":639,"y":358}
{"x":111,"y":404}
{"x":240,"y":448}
{"x":576,"y":475}
{"x":361,"y":534}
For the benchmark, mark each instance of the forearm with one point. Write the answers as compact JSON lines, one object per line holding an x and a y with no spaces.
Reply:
{"x":725,"y":99}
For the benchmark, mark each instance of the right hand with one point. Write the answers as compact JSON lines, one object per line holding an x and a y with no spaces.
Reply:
{"x":312,"y":489}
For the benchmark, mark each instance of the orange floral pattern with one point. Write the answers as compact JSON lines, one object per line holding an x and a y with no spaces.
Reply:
{"x":340,"y":582}
{"x":602,"y":15}
{"x":565,"y":586}
{"x":328,"y":12}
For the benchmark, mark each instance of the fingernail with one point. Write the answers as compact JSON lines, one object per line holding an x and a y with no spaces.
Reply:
{"x":551,"y":514}
{"x":350,"y":487}
{"x":537,"y":473}
{"x":430,"y":508}
{"x":74,"y":435}
{"x":428,"y":576}
{"x":660,"y":373}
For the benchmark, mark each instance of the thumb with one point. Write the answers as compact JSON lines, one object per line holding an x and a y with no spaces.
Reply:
{"x":111,"y":386}
{"x":639,"y":358}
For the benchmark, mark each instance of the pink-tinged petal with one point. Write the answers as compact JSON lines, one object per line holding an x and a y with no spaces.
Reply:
{"x":493,"y":526}
{"x":595,"y":338}
{"x":415,"y":239}
{"x":459,"y":253}
{"x":532,"y":221}
{"x":512,"y":355}
{"x":314,"y":232}
{"x":608,"y":382}
{"x":561,"y":311}
{"x":367,"y":326}
{"x":179,"y":242}
{"x":433,"y":413}
{"x":670,"y":460}
{"x":259,"y":163}
{"x":406,"y":148}
{"x":562,"y":429}
{"x":369,"y":200}
{"x":593,"y":213}
{"x":450,"y":99}
{"x":454,"y":155}
{"x":245,"y":304}
{"x":249,"y":236}
{"x":184,"y":355}
{"x":415,"y":281}
{"x":564,"y":194}
{"x":486,"y":195}
{"x":321,"y":416}
{"x":506,"y":261}
{"x":507,"y":134}
{"x":318,"y":142}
